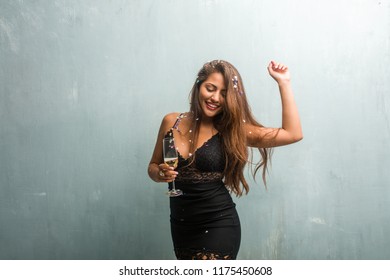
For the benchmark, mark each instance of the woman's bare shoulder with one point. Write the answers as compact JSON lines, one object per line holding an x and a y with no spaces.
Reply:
{"x":168,"y":121}
{"x":171,"y":117}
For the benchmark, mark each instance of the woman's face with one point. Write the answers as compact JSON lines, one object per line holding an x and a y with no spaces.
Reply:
{"x":212,"y":94}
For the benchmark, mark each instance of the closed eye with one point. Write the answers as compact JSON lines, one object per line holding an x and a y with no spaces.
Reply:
{"x":211,"y":88}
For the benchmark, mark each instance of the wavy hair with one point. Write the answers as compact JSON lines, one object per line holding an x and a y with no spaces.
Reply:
{"x":231,"y":125}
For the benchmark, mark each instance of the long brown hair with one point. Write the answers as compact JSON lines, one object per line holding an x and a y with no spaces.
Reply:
{"x":231,"y":125}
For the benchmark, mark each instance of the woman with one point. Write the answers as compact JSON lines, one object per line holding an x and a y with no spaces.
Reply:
{"x":212,"y":141}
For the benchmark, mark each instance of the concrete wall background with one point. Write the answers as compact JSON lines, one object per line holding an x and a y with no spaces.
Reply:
{"x":85,"y":84}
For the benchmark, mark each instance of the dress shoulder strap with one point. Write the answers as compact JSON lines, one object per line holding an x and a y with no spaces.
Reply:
{"x":177,"y":122}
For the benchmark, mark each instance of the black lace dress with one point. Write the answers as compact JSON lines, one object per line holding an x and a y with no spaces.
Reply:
{"x":204,"y":221}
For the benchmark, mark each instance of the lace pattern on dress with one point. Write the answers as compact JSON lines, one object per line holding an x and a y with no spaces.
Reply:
{"x":189,"y":254}
{"x":191,"y":175}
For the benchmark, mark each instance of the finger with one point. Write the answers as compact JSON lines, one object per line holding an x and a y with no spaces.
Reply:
{"x":165,"y":167}
{"x":167,"y":180}
{"x":166,"y":173}
{"x":171,"y":174}
{"x":281,"y":65}
{"x":282,"y":68}
{"x":277,"y":65}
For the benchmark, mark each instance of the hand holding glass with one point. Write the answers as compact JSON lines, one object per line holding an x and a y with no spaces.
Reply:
{"x":171,"y":159}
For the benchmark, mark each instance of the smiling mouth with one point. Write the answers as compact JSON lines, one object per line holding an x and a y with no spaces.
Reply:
{"x":212,"y":106}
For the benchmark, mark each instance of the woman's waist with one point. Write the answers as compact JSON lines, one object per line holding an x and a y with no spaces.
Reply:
{"x":201,"y":201}
{"x":199,"y":187}
{"x":185,"y":177}
{"x":226,"y":215}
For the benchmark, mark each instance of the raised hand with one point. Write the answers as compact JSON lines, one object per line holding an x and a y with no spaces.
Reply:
{"x":279,"y":72}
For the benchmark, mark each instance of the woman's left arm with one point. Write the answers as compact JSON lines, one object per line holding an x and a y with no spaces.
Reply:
{"x":291,"y":131}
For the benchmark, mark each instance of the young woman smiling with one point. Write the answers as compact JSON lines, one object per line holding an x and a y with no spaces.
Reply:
{"x":214,"y":141}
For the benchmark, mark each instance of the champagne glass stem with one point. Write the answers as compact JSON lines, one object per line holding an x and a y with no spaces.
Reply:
{"x":173,"y":186}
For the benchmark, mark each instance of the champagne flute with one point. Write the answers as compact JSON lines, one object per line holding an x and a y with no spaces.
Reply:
{"x":171,"y":159}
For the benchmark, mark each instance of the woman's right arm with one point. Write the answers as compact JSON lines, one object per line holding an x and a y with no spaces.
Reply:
{"x":157,"y":165}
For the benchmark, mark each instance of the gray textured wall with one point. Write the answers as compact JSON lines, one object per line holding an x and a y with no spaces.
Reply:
{"x":83,"y":88}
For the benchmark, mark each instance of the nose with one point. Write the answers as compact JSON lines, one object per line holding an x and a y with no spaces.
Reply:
{"x":216,"y":96}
